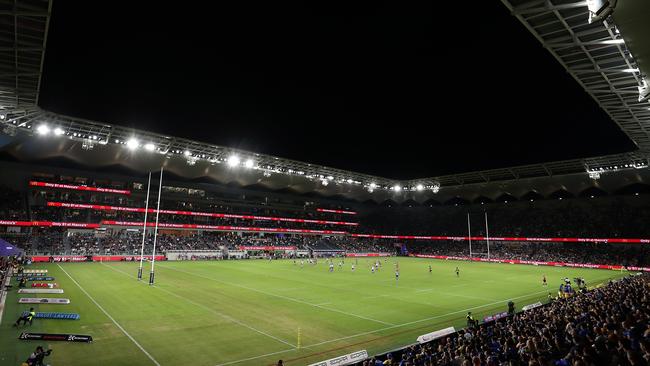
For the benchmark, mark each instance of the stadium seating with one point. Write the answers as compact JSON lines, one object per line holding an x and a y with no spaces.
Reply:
{"x":606,"y":326}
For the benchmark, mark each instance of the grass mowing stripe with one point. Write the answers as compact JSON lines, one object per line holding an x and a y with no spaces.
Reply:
{"x":110,"y":317}
{"x":281,"y":296}
{"x":375,"y":331}
{"x":227,"y":317}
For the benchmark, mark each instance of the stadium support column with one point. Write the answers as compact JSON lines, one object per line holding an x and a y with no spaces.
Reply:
{"x":487,"y":236}
{"x":155,"y":231}
{"x":469,"y":235}
{"x":144,"y":228}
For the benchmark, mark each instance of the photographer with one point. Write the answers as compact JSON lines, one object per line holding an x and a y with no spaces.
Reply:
{"x":36,"y":358}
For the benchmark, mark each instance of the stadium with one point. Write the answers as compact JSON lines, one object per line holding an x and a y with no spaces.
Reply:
{"x":122,"y":244}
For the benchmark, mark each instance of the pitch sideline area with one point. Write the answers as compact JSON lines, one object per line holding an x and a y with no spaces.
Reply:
{"x":255,"y":312}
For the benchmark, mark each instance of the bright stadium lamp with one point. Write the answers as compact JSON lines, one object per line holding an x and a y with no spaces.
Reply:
{"x":187,"y":153}
{"x":436,"y":188}
{"x":132,"y":144}
{"x":150,"y":147}
{"x":397,"y":188}
{"x":233,"y":161}
{"x":58,"y":131}
{"x":419,"y":187}
{"x":249,"y":163}
{"x":324,"y":182}
{"x":43,"y":130}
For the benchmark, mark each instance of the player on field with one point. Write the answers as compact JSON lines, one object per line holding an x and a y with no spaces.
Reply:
{"x":352,"y":267}
{"x":397,"y":275}
{"x":544,"y":280}
{"x":372,"y":269}
{"x":430,"y":270}
{"x":331,"y":267}
{"x":457,"y":272}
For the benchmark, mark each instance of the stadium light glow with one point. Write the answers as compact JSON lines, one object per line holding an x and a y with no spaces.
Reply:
{"x":436,"y":188}
{"x":58,"y":131}
{"x":324,"y":182}
{"x":187,"y":153}
{"x":132,"y":144}
{"x":149,"y":147}
{"x":249,"y":163}
{"x":397,"y":188}
{"x":43,"y":130}
{"x":233,"y":161}
{"x":419,"y":187}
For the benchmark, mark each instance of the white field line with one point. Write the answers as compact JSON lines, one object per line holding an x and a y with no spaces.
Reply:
{"x":110,"y":317}
{"x":227,"y":317}
{"x":282,"y":297}
{"x":387,"y":328}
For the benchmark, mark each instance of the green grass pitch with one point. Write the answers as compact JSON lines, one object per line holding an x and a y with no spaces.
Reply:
{"x":255,"y":312}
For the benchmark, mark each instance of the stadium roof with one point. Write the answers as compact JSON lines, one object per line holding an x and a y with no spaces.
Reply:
{"x":597,"y":55}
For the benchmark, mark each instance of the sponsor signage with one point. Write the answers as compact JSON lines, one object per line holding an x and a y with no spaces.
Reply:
{"x":532,"y":306}
{"x":336,"y":211}
{"x":40,"y":291}
{"x":35,"y":271}
{"x":348,"y":359}
{"x":78,"y":225}
{"x":367,"y":254}
{"x":43,"y":300}
{"x":53,"y":315}
{"x":78,"y":188}
{"x":193,"y":213}
{"x":55,"y":337}
{"x":40,"y":278}
{"x":46,"y":285}
{"x":93,"y":258}
{"x":223,"y":228}
{"x":435,"y":335}
{"x":536,"y":263}
{"x":268,"y":247}
{"x":522,"y":239}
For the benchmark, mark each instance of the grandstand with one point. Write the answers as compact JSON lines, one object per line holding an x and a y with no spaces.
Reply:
{"x":253,"y":258}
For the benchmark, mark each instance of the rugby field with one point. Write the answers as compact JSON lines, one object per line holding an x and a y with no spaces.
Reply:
{"x":256,"y":312}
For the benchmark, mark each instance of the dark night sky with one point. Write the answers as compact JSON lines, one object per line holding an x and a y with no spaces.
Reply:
{"x":396,"y":89}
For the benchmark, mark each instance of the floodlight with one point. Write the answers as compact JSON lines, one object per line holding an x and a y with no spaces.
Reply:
{"x":249,"y":163}
{"x":58,"y":131}
{"x":233,"y":161}
{"x":150,"y":147}
{"x":43,"y":130}
{"x":324,"y":182}
{"x":599,"y":10}
{"x":187,"y":153}
{"x":132,"y":144}
{"x":397,"y":188}
{"x":419,"y":187}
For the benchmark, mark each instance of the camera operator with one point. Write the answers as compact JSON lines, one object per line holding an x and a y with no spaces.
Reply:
{"x":36,"y":358}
